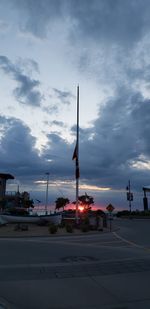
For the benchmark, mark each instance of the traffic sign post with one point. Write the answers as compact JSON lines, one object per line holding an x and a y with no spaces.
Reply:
{"x":110,"y":209}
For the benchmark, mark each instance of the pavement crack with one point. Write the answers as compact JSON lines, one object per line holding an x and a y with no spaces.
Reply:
{"x":116,"y":298}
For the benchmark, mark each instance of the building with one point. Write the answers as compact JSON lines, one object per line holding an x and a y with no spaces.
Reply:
{"x":3,"y":180}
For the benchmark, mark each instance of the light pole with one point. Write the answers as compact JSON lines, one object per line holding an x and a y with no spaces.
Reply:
{"x":129,"y":195}
{"x":46,"y":202}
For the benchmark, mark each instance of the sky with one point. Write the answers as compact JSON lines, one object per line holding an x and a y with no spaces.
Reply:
{"x":47,"y":48}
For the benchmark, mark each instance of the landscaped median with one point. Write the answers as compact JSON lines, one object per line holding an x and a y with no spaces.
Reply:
{"x":85,"y":224}
{"x":33,"y":230}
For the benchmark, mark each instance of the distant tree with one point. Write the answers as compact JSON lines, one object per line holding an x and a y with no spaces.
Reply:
{"x":86,"y":201}
{"x":23,"y":200}
{"x":29,"y":204}
{"x":2,"y":204}
{"x":61,"y":202}
{"x":123,"y":213}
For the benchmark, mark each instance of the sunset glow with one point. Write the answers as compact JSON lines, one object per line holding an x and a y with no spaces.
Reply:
{"x":94,"y":188}
{"x":81,"y":208}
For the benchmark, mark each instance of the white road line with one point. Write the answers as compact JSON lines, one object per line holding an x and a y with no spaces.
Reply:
{"x":131,"y":242}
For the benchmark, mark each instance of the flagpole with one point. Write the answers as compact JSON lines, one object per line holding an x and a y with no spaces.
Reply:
{"x":46,"y":202}
{"x":77,"y":158}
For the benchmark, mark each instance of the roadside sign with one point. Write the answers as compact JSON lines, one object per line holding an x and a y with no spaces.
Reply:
{"x":110,"y":208}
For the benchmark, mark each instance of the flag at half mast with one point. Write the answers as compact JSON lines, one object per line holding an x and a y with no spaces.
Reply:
{"x":76,"y":150}
{"x":75,"y":157}
{"x":75,"y":153}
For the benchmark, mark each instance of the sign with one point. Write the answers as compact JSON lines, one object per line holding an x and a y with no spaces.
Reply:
{"x":110,"y":208}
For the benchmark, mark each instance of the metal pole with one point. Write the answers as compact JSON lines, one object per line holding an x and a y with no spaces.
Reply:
{"x":46,"y":203}
{"x":110,"y":222}
{"x":77,"y":158}
{"x":129,"y":198}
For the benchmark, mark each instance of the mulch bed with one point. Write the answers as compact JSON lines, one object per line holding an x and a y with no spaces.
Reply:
{"x":33,"y":230}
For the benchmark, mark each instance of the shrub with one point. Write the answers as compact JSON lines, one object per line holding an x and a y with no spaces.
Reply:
{"x":62,"y":225}
{"x":85,"y":227}
{"x":42,"y":222}
{"x":86,"y":221}
{"x":69,"y":228}
{"x":53,"y":228}
{"x":100,"y":230}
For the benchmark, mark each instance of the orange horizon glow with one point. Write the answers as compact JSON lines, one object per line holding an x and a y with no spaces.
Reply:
{"x":81,"y":208}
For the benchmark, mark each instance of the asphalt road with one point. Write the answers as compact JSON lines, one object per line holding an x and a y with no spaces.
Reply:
{"x":135,"y":230}
{"x":34,"y":271}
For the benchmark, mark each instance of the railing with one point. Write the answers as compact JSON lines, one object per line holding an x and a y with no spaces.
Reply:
{"x":10,"y":193}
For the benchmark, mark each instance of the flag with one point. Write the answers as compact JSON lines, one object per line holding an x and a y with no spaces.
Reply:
{"x":75,"y":157}
{"x":75,"y":154}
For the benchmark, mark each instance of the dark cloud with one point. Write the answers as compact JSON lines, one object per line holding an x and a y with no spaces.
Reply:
{"x":51,"y":109}
{"x":57,"y":99}
{"x":17,"y":148}
{"x":28,"y":65}
{"x":120,"y":138}
{"x":85,"y":134}
{"x":122,"y":22}
{"x":111,"y":149}
{"x":59,"y":153}
{"x":19,"y":156}
{"x":127,"y":21}
{"x":38,"y":15}
{"x":63,"y":96}
{"x":110,"y":40}
{"x":58,"y":123}
{"x":105,"y":35}
{"x":27,"y":90}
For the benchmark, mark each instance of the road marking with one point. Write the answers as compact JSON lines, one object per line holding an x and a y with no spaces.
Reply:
{"x":131,"y":242}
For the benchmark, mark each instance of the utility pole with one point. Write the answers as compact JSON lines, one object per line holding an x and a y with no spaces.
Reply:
{"x":46,"y":202}
{"x":129,"y":195}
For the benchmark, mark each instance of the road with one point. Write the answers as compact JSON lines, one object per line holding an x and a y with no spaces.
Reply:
{"x":135,"y":230}
{"x":104,"y":270}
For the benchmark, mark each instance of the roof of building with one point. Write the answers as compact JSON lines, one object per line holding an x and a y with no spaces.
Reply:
{"x":6,"y":176}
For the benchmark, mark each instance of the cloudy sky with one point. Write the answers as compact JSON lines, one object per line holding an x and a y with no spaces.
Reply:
{"x":47,"y":48}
